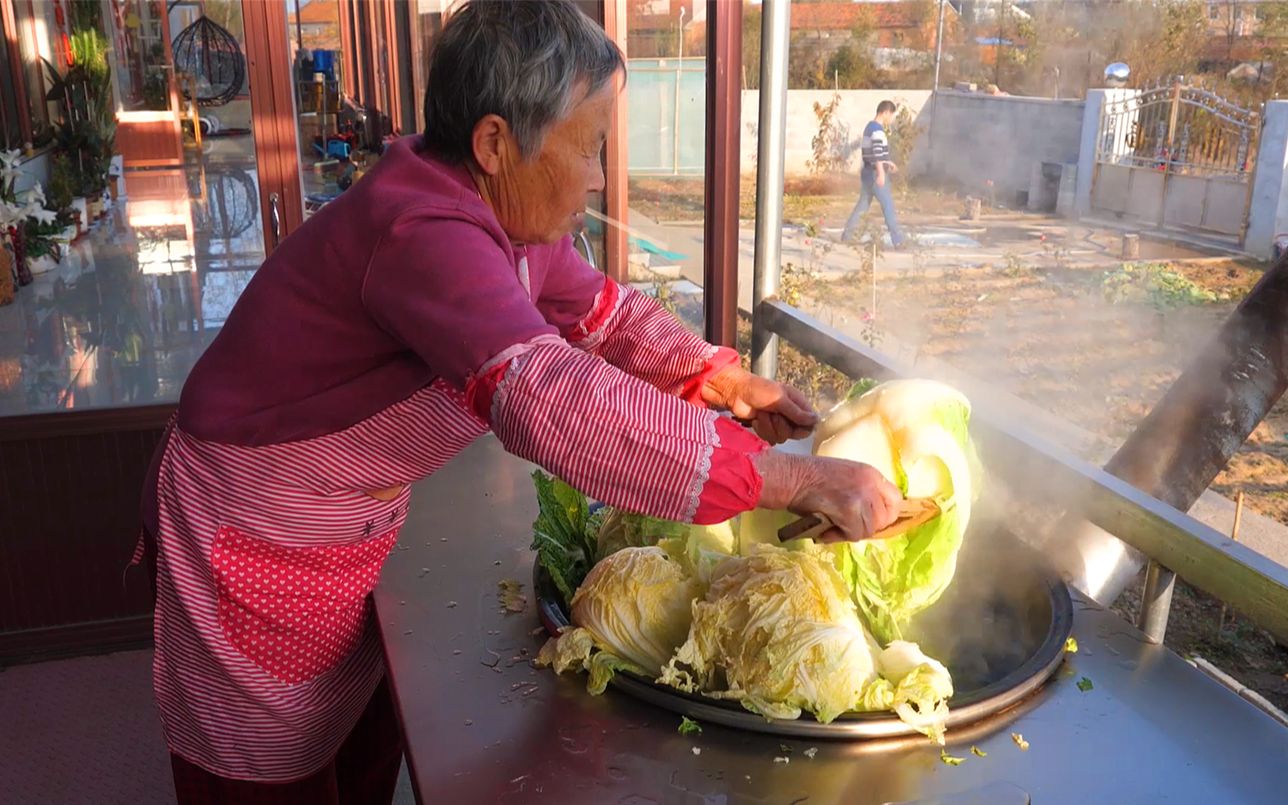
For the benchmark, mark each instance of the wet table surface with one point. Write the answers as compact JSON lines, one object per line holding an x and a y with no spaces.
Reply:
{"x":483,"y":725}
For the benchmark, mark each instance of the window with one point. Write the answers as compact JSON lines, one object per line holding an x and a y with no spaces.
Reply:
{"x":426,"y":22}
{"x":10,"y":126}
{"x":1214,"y":12}
{"x":143,"y":78}
{"x":36,"y":29}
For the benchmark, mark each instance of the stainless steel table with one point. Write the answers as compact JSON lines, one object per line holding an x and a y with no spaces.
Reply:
{"x":482,"y":725}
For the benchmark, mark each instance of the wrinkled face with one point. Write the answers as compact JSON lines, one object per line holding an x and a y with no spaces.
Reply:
{"x":542,"y":199}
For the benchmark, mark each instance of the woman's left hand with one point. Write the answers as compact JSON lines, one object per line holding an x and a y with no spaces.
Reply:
{"x":776,"y":412}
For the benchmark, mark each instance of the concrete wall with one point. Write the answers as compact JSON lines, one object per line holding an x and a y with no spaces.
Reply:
{"x":856,"y":109}
{"x":1268,"y":213}
{"x":657,"y":146}
{"x":971,"y":139}
{"x":1096,"y":99}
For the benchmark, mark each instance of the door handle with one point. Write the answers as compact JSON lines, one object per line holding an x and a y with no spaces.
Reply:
{"x":275,"y":217}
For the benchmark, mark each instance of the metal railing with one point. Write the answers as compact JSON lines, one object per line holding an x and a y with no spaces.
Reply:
{"x":1178,"y":128}
{"x":1252,"y":584}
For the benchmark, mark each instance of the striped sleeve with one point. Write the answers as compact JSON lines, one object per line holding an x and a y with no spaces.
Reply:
{"x":880,"y":145}
{"x":628,"y":329}
{"x":876,"y":146}
{"x":616,"y":438}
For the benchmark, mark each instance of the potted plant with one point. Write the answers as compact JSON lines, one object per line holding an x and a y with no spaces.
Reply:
{"x":72,"y":138}
{"x":40,"y":229}
{"x":89,"y":52}
{"x":43,"y":251}
{"x":29,"y":225}
{"x":86,"y":132}
{"x":94,"y":199}
{"x":62,"y":197}
{"x":80,"y":215}
{"x":13,"y":216}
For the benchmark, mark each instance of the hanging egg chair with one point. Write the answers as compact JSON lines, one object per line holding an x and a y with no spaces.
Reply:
{"x":232,"y":203}
{"x":212,"y":56}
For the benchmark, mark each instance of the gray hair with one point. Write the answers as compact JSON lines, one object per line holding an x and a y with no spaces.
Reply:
{"x":523,"y":60}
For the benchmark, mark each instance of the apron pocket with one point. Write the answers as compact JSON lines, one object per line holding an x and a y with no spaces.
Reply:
{"x":295,"y":612}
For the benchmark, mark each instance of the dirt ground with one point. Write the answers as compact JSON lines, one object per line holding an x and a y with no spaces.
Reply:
{"x":806,"y":200}
{"x":1073,"y":342}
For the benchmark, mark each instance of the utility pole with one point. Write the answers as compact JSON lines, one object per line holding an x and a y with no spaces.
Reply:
{"x":939,"y":44}
{"x":997,"y":49}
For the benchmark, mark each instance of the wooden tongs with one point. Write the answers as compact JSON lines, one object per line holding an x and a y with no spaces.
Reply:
{"x":912,"y":513}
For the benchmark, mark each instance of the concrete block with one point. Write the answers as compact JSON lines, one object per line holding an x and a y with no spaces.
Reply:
{"x":1268,"y":213}
{"x":1066,"y":199}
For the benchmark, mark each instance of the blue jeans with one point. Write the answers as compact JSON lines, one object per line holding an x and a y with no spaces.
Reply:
{"x":882,"y":194}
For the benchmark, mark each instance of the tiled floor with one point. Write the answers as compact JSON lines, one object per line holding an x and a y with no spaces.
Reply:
{"x":82,"y":731}
{"x":86,"y":731}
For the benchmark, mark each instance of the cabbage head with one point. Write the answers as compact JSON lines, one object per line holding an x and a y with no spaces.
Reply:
{"x":703,"y":547}
{"x":778,"y":632}
{"x":915,"y":432}
{"x":636,"y":604}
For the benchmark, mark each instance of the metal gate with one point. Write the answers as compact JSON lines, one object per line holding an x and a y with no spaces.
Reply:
{"x":1176,"y":156}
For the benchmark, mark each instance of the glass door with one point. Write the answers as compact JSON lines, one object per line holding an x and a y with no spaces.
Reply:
{"x":148,"y":128}
{"x":352,"y":76}
{"x":331,"y":124}
{"x":197,"y":95}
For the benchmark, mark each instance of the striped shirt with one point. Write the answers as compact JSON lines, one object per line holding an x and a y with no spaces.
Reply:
{"x":397,"y":326}
{"x":876,"y":147}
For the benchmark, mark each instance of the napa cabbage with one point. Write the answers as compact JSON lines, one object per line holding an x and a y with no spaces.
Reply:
{"x":915,"y":432}
{"x":703,"y":547}
{"x":777,"y":631}
{"x":631,"y":612}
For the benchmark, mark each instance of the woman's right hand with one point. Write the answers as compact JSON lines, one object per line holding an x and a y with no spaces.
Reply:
{"x":855,"y":497}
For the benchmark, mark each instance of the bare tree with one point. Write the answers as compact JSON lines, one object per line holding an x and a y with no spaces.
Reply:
{"x":1232,"y":9}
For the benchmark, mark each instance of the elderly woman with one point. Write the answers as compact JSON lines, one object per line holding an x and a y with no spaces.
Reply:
{"x":436,"y":300}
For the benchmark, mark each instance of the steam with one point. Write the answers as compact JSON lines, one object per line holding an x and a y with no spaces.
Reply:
{"x":1039,"y":343}
{"x":994,"y":616}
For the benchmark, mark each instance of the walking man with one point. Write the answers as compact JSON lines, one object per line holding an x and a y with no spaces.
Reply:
{"x":876,"y":173}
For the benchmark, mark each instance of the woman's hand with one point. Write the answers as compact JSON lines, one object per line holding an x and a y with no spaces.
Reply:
{"x":855,"y":497}
{"x":777,"y":412}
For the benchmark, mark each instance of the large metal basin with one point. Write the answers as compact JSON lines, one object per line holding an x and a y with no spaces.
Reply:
{"x":1000,"y":628}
